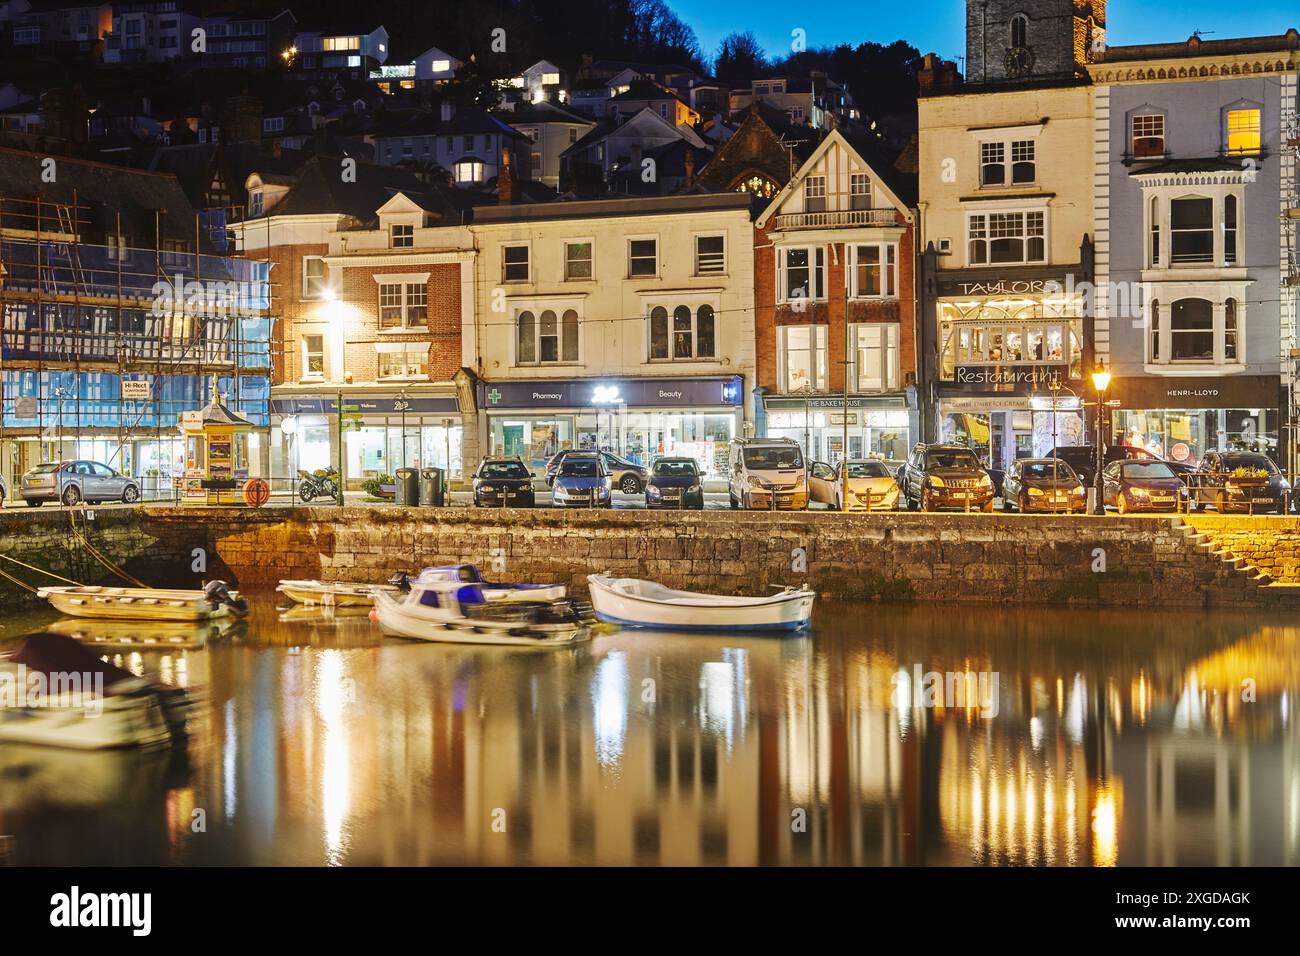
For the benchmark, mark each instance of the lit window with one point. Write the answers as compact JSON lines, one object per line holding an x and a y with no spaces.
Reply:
{"x":469,"y":171}
{"x":440,"y":66}
{"x":802,"y":362}
{"x":874,"y":270}
{"x":313,"y":277}
{"x":550,"y":79}
{"x":313,"y":356}
{"x":1243,"y":131}
{"x":875,"y":356}
{"x":403,"y":360}
{"x":403,"y":305}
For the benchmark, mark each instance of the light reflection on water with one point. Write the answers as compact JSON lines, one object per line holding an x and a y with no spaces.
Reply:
{"x":1119,"y":738}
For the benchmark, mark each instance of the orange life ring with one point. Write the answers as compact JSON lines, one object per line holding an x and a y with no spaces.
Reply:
{"x":256,"y":492}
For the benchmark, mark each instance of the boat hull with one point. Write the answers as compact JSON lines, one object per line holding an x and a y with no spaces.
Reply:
{"x":332,"y":593}
{"x":781,"y":613}
{"x":396,"y":619}
{"x":133,"y":604}
{"x":130,"y":722}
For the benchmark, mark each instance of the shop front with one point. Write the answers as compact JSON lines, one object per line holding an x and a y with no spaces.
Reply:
{"x":639,"y":419}
{"x":875,"y":426}
{"x":1181,"y":418}
{"x":381,"y":433}
{"x":1010,"y":375}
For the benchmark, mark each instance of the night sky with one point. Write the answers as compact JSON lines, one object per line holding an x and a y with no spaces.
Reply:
{"x":939,"y":26}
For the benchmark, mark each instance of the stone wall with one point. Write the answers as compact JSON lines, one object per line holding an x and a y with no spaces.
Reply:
{"x":1269,"y":544}
{"x":979,"y":559}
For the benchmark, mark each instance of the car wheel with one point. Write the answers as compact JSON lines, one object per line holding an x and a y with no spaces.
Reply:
{"x":926,"y":504}
{"x":987,"y":507}
{"x":1022,"y":504}
{"x":71,"y":495}
{"x":1121,"y":503}
{"x":629,"y":485}
{"x":130,"y":494}
{"x":1221,"y":503}
{"x":731,"y":500}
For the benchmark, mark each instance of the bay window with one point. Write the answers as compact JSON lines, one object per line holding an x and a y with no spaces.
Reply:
{"x":1200,"y":323}
{"x":801,"y":358}
{"x":1198,"y":229}
{"x":874,"y":356}
{"x":801,"y":273}
{"x":1191,"y":325}
{"x":1191,"y":230}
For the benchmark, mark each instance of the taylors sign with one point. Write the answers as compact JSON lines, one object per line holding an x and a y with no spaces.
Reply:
{"x":1009,"y":287}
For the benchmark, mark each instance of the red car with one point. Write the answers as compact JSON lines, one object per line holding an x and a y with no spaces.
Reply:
{"x":1143,"y":486}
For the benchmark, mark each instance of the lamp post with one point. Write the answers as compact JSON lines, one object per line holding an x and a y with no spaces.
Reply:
{"x":1100,"y":382}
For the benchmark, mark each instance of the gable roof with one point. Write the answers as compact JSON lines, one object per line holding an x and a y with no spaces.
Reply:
{"x":765,"y":143}
{"x":320,"y":190}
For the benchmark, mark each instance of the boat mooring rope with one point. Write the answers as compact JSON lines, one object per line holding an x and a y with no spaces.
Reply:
{"x":98,"y":556}
{"x":22,"y":584}
{"x":32,"y":567}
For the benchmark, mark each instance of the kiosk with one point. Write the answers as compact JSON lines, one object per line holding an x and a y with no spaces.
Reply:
{"x":216,"y":457}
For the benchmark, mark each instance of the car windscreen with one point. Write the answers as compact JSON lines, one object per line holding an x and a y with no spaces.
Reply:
{"x":503,"y":469}
{"x":1046,"y":469}
{"x":773,"y":457}
{"x":1233,"y":462}
{"x":1147,"y":469}
{"x":675,"y":469}
{"x":579,"y":468}
{"x":868,"y":469}
{"x":951,"y":459}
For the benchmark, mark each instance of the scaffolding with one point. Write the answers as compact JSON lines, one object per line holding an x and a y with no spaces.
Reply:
{"x":116,"y":341}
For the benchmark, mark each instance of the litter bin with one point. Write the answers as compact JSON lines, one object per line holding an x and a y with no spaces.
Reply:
{"x":433,"y":488}
{"x":408,"y":486}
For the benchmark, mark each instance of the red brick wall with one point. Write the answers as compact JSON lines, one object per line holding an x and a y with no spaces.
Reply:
{"x":288,"y":307}
{"x":768,"y":315}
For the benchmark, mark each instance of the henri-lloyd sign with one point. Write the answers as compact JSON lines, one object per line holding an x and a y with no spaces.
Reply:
{"x":987,"y":377}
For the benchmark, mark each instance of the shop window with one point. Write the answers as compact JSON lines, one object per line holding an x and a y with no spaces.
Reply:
{"x":313,"y":277}
{"x":802,"y":361}
{"x":313,"y":357}
{"x":874,"y":271}
{"x":1006,"y":237}
{"x":548,"y":339}
{"x":875,"y":356}
{"x":577,"y":260}
{"x":1191,"y":327}
{"x":1148,"y":140}
{"x":814,"y":194}
{"x":710,"y":255}
{"x":802,"y":273}
{"x":1242,"y":131}
{"x":1230,"y":330}
{"x":643,"y":258}
{"x":514,"y":264}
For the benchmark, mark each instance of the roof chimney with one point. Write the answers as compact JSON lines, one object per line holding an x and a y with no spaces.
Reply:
{"x":506,"y":179}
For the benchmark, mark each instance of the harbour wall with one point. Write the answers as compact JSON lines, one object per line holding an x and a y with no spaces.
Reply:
{"x":1205,"y":561}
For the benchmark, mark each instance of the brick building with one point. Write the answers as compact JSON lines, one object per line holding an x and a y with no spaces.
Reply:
{"x":373,"y":276}
{"x":834,"y":258}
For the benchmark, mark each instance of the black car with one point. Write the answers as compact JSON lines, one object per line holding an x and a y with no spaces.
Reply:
{"x":1083,"y":459}
{"x":503,"y":483}
{"x":1042,"y":484}
{"x":675,"y":483}
{"x":1239,"y":481}
{"x":946,"y":476}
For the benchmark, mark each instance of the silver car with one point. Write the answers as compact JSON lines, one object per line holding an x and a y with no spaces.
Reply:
{"x":72,"y":482}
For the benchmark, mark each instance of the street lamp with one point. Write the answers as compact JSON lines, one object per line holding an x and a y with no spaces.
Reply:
{"x":1100,"y":382}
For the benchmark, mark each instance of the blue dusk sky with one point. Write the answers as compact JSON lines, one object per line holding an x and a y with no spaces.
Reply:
{"x":939,"y":26}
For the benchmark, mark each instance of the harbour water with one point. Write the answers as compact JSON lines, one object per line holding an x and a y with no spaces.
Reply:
{"x":1090,"y":738}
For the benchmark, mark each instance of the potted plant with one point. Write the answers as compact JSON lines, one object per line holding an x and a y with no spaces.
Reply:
{"x":1248,"y":475}
{"x":380,"y":486}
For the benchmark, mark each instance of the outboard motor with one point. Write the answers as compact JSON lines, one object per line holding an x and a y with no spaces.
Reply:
{"x":218,"y":593}
{"x":401,"y":580}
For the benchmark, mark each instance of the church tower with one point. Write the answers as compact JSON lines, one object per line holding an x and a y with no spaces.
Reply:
{"x":1017,"y":41}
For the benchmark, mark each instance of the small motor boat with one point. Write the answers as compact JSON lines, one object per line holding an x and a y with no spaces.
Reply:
{"x":495,"y":592}
{"x":333,"y":593}
{"x":632,"y":602}
{"x":54,"y":692}
{"x":145,"y":604}
{"x":146,"y":635}
{"x":459,"y":612}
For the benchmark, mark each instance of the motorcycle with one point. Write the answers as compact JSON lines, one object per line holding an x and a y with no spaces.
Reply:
{"x":323,"y":482}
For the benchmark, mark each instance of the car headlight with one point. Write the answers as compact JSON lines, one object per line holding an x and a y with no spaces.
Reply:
{"x":756,"y":482}
{"x":694,"y":489}
{"x":987,"y":481}
{"x":602,"y":492}
{"x":651,"y":491}
{"x":799,"y":483}
{"x":1140,"y":492}
{"x":936,"y":482}
{"x":1035,"y":492}
{"x":1078,"y":491}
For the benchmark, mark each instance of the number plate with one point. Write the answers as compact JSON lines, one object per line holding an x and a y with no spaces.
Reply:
{"x":960,"y":495}
{"x":1262,"y":501}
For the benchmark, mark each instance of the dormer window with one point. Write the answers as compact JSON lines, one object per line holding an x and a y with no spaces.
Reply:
{"x":1019,"y":30}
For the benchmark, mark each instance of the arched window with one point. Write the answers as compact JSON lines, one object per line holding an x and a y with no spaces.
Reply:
{"x":1191,"y":328}
{"x":1019,"y":30}
{"x":682,"y":332}
{"x":569,"y":336}
{"x":659,"y":332}
{"x":758,"y":185}
{"x":526,"y":338}
{"x":549,"y":338}
{"x":1230,"y":330}
{"x":704,"y":332}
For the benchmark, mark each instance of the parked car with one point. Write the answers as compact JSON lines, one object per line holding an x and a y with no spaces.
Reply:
{"x":1083,"y":458}
{"x":628,"y":477}
{"x":503,"y":483}
{"x":1239,"y":481}
{"x":675,"y":483}
{"x":71,"y":482}
{"x":766,"y":473}
{"x":1142,"y":486}
{"x":581,"y":481}
{"x":871,"y":485}
{"x":946,"y":476}
{"x":4,"y":492}
{"x":1042,"y":484}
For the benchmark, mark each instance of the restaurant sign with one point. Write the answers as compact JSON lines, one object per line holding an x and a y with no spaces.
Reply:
{"x":1004,"y":377}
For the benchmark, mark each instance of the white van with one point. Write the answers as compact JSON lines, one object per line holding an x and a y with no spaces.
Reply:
{"x":766,"y":473}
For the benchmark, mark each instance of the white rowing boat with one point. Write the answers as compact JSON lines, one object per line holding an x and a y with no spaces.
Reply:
{"x":144,"y":604}
{"x":333,"y":593}
{"x":496,"y":592}
{"x":458,"y":612}
{"x":633,"y":602}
